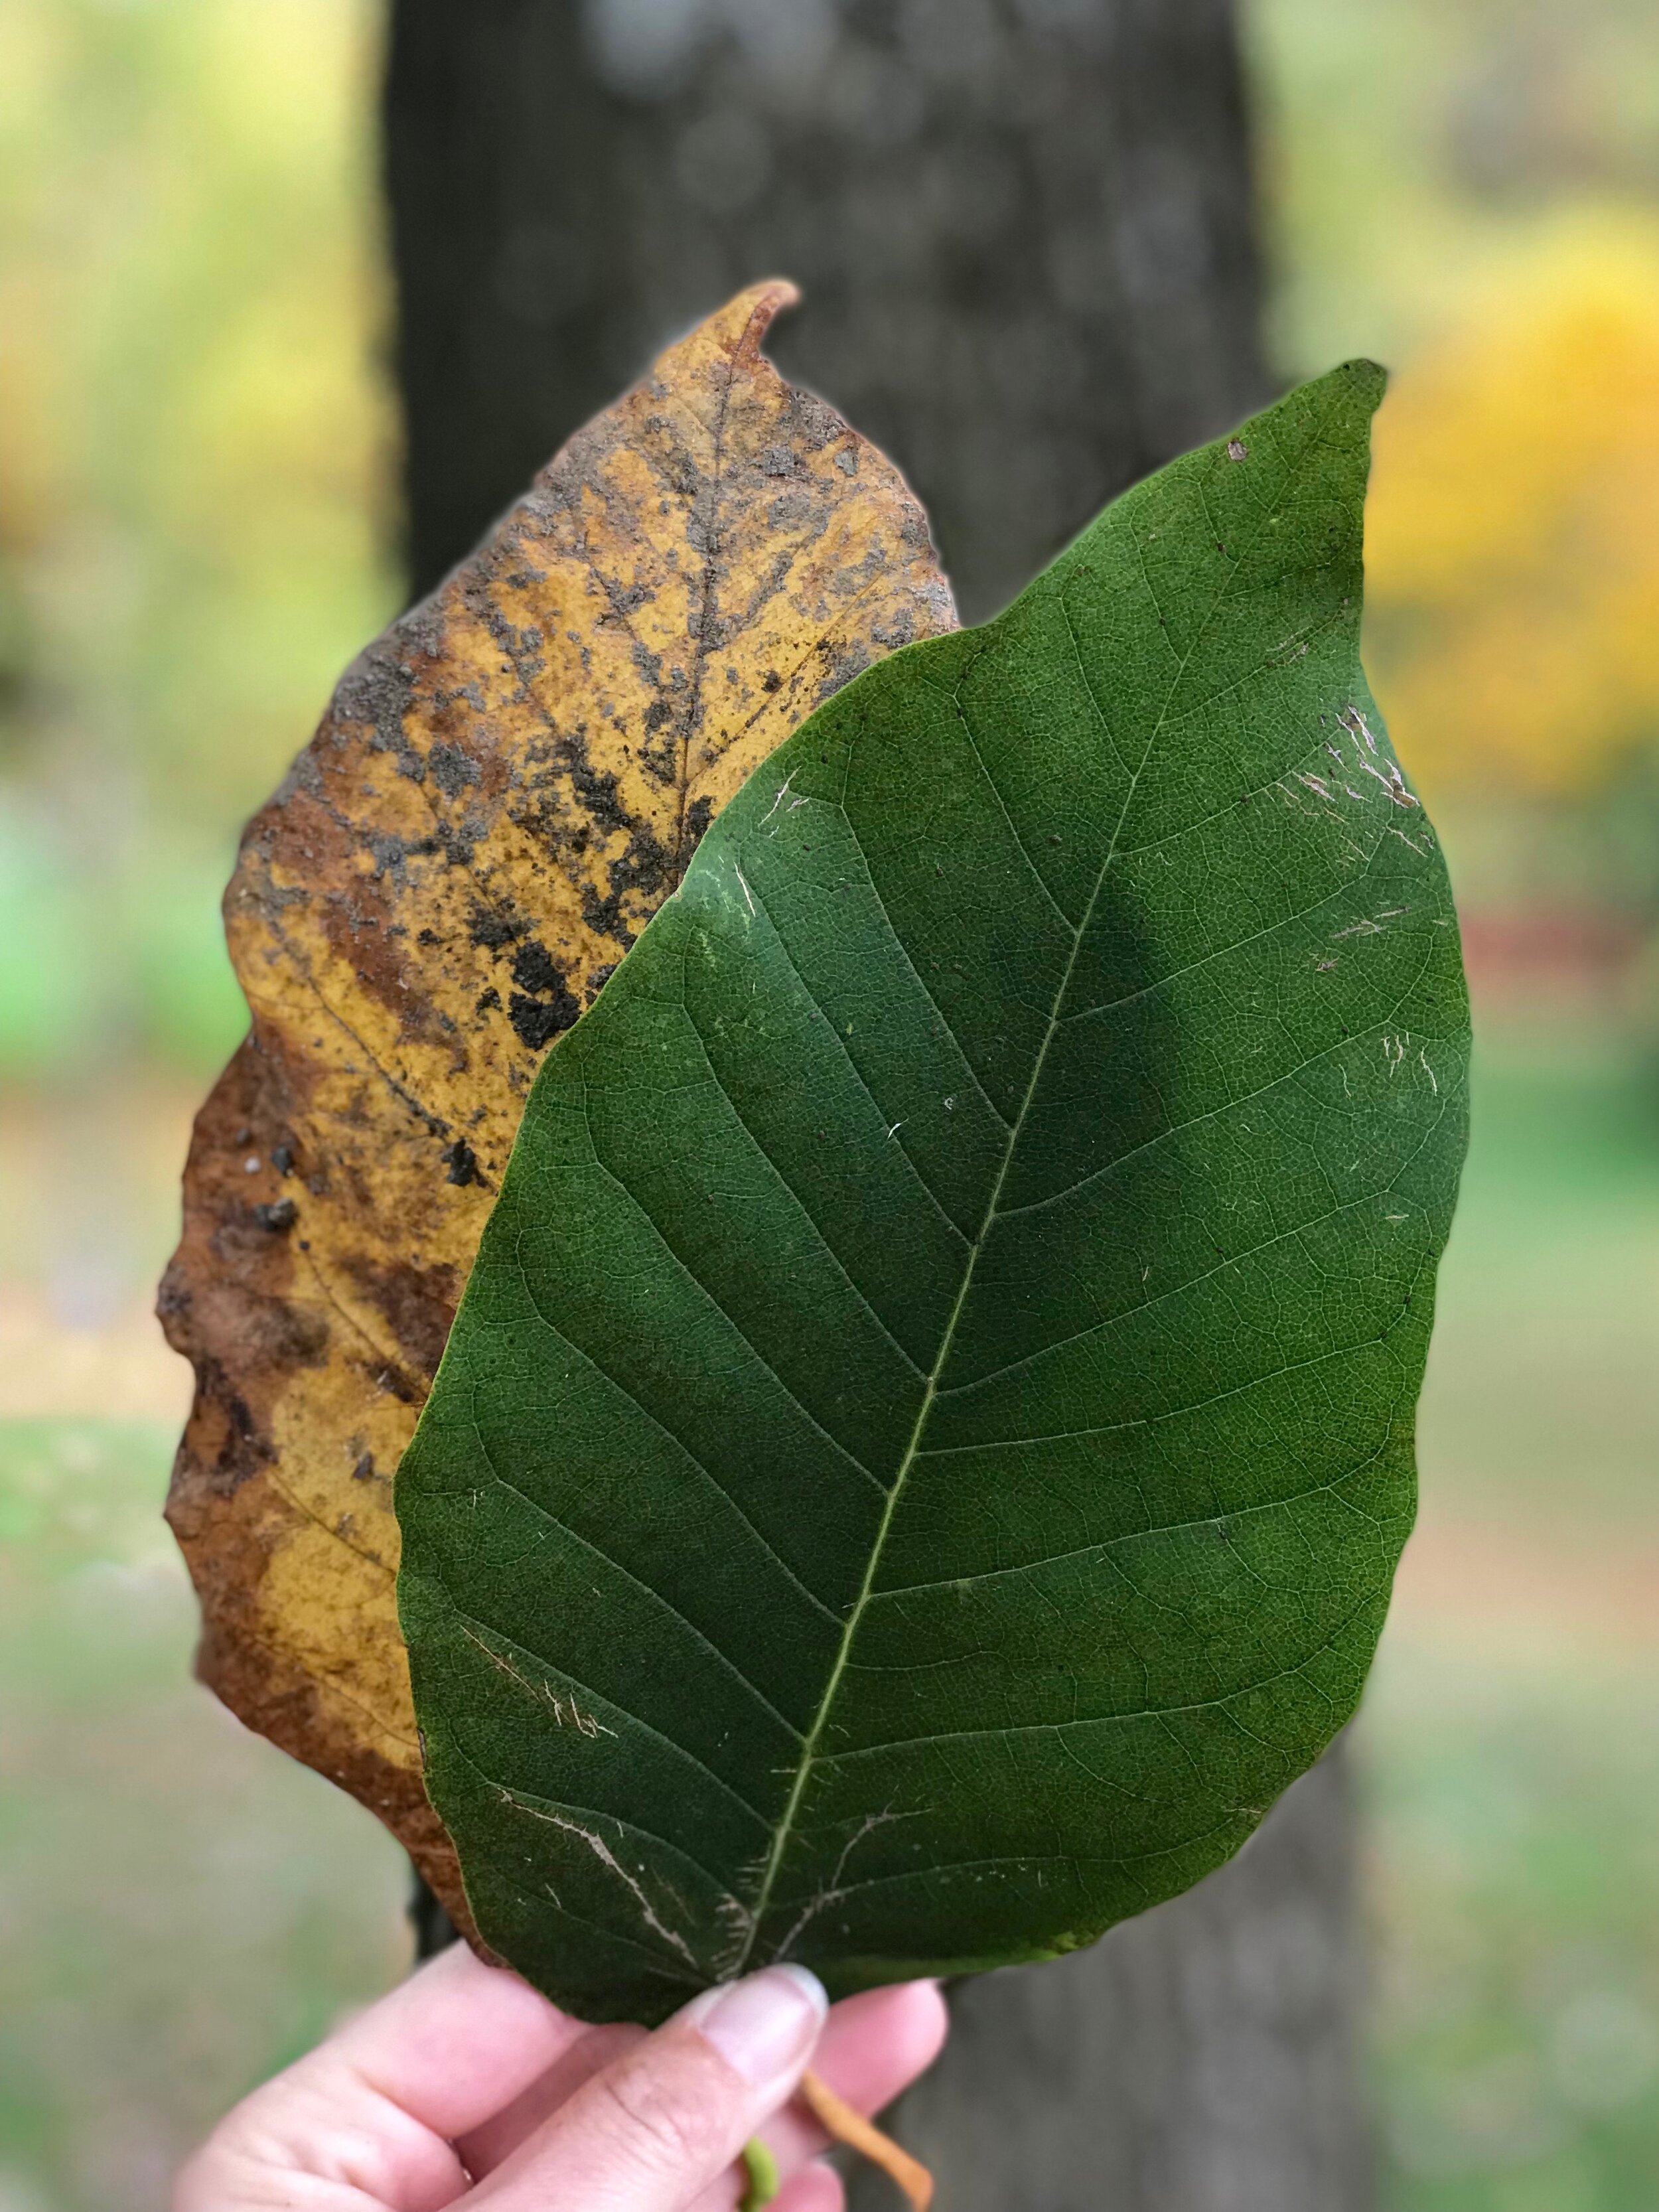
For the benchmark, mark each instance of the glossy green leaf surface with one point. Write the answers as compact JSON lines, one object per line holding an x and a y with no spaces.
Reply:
{"x":922,"y":1456}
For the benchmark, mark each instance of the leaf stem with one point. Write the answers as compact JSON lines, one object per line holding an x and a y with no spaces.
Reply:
{"x":762,"y":2169}
{"x":842,"y":2124}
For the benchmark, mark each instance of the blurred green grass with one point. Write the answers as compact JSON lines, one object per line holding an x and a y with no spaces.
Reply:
{"x":1510,"y":1742}
{"x":182,"y":1910}
{"x":1541,"y":1406}
{"x":1513,"y":1880}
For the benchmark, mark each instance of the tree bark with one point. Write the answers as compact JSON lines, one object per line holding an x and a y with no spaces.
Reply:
{"x":1201,"y":2058}
{"x":1025,"y":229}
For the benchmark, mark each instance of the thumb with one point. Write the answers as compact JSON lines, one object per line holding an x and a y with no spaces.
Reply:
{"x":656,"y":2127}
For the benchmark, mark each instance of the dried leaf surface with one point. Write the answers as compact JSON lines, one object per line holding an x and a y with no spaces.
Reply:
{"x":505,"y":786}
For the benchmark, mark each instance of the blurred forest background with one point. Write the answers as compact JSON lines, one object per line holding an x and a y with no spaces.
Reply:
{"x":197,"y":454}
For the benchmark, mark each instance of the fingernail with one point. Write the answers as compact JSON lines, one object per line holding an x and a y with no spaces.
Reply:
{"x":762,"y":2027}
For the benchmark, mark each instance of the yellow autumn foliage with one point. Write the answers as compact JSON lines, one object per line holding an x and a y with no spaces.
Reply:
{"x":1513,"y":534}
{"x":194,"y":445}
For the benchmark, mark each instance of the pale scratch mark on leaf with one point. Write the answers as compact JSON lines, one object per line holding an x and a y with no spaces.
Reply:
{"x":1393,"y":782}
{"x":612,"y":1864}
{"x":833,"y":1891}
{"x":587,"y":1724}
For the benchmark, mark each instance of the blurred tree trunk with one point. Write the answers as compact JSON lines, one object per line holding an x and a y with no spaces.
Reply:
{"x":1201,"y":2058}
{"x":1025,"y":229}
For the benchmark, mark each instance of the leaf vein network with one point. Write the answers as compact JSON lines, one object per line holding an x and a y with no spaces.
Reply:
{"x":810,"y":1752}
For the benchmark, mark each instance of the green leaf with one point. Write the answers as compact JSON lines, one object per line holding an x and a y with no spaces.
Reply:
{"x":922,"y":1458}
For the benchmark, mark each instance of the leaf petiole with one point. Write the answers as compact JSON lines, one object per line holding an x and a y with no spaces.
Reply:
{"x":844,"y":2124}
{"x":763,"y":2171}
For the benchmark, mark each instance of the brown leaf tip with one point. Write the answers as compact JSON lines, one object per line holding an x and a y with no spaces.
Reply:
{"x":741,"y":325}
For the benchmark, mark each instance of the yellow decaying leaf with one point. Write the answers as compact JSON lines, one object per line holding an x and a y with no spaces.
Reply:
{"x":505,"y":786}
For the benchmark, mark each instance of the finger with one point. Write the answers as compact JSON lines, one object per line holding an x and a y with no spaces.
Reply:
{"x":873,"y":2047}
{"x":367,"y":2116}
{"x":658,"y":2125}
{"x":456,"y":2042}
{"x":484,"y":2149}
{"x":814,"y":2189}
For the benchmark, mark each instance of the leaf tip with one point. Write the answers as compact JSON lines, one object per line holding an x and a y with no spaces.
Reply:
{"x":1368,"y":380}
{"x":741,"y":327}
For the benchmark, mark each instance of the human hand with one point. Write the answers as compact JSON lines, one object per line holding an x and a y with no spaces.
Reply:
{"x":465,"y":2088}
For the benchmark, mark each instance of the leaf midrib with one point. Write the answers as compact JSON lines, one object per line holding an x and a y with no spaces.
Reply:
{"x":710,"y":588}
{"x":785,"y":1830}
{"x":814,"y":1735}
